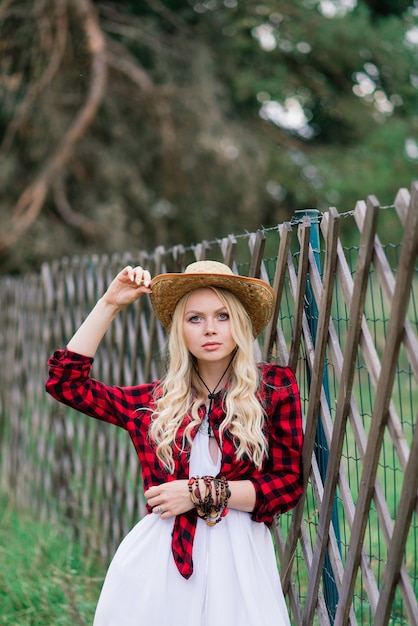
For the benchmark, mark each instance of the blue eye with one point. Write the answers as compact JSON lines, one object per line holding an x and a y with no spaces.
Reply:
{"x":223,"y":316}
{"x":194,"y":318}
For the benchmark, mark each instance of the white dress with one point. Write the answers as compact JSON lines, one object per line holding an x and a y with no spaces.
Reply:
{"x":235,"y":578}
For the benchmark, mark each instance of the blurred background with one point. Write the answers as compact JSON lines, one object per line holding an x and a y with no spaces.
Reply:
{"x":127,"y":125}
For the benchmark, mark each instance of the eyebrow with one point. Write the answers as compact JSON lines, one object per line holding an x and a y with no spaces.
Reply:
{"x":195,"y":312}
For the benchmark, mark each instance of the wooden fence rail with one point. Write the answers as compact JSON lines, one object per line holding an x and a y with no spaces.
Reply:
{"x":346,"y":321}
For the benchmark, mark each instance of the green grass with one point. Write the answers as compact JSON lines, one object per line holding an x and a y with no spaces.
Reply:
{"x":45,"y":579}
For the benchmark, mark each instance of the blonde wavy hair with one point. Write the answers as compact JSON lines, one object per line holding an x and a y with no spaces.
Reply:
{"x":244,"y":413}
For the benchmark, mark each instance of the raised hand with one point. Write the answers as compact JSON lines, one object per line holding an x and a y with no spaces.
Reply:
{"x":125,"y":288}
{"x":128,"y":286}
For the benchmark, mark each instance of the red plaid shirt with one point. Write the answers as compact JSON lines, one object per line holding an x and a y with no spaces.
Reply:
{"x":278,"y":484}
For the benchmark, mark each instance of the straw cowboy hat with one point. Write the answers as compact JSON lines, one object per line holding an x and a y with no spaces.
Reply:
{"x":256,"y":295}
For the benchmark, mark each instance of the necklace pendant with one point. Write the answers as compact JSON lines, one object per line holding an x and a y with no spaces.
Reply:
{"x":205,"y":428}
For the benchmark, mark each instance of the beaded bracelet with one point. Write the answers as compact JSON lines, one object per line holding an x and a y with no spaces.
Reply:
{"x":211,"y":509}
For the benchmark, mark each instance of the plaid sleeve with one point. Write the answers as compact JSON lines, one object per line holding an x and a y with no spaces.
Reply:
{"x":278,"y":484}
{"x":69,"y":382}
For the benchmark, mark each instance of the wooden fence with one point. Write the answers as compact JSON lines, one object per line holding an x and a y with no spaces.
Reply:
{"x":346,"y":321}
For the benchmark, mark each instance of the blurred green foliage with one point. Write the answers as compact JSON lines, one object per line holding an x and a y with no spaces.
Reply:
{"x":218,"y":116}
{"x":45,"y":578}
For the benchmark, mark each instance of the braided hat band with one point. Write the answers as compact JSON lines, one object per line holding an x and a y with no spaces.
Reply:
{"x":256,"y":295}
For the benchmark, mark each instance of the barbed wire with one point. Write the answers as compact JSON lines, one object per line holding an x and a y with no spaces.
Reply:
{"x":294,"y":221}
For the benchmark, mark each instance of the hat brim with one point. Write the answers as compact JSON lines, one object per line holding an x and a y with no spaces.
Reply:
{"x":256,"y":295}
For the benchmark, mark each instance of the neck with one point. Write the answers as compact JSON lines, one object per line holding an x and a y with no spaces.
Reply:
{"x":213,"y":376}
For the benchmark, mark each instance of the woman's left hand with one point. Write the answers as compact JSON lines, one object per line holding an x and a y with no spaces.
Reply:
{"x":169,"y":499}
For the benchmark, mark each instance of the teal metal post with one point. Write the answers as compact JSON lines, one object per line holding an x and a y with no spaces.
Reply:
{"x":321,"y":445}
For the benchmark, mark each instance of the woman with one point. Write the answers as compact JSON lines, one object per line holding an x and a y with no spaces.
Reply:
{"x":219,"y":441}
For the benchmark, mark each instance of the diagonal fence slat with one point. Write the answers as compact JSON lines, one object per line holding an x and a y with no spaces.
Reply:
{"x":399,"y":538}
{"x":278,"y":286}
{"x":348,"y":503}
{"x":316,"y":385}
{"x":344,"y":397}
{"x":304,"y":238}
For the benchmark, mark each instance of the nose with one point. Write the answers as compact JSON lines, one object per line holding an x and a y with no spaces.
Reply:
{"x":209,"y":327}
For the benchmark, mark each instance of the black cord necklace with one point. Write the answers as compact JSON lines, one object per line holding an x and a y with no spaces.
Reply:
{"x":205,"y":426}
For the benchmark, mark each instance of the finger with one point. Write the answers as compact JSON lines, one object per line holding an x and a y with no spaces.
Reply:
{"x":127,"y":272}
{"x":152,"y":492}
{"x":138,"y":272}
{"x":147,"y":278}
{"x":142,"y":277}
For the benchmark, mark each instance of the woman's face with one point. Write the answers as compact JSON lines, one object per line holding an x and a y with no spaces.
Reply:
{"x":207,"y":328}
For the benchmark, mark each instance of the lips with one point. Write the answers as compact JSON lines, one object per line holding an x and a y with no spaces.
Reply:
{"x":211,"y":345}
